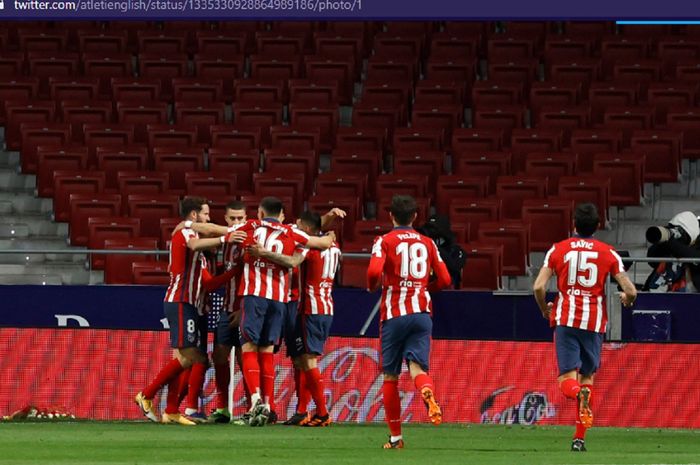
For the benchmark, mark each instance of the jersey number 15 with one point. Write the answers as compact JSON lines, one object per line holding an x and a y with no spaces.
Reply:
{"x":581,"y":269}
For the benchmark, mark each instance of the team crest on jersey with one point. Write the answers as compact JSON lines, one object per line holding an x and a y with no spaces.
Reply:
{"x":190,"y":337}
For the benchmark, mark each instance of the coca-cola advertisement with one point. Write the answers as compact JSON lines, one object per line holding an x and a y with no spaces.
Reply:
{"x":94,"y":374}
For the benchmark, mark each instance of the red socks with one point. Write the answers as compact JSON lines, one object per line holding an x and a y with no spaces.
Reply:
{"x":303,"y":394}
{"x":314,"y":382}
{"x":251,"y":371}
{"x":570,"y":388}
{"x":424,"y":381}
{"x":196,"y":382}
{"x":169,"y":371}
{"x":580,"y":430}
{"x":173,"y":399}
{"x":184,"y":380}
{"x":267,"y":378}
{"x":222,"y":377}
{"x":392,"y":407}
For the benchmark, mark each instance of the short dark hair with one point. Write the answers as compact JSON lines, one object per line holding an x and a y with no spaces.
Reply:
{"x":403,"y":207}
{"x":272,"y":206}
{"x":191,"y":204}
{"x":586,"y":219}
{"x":235,"y":205}
{"x":312,"y":220}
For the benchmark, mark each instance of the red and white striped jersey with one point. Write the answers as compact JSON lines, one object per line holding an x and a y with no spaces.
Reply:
{"x":261,"y":277}
{"x":406,"y":259}
{"x":185,"y":269}
{"x":317,"y":275}
{"x":233,"y":260}
{"x":582,"y":266}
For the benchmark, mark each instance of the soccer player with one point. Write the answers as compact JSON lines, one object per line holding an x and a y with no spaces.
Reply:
{"x":406,"y":259}
{"x":264,"y":288}
{"x":187,"y":265}
{"x":226,"y":336}
{"x":582,"y":265}
{"x":313,"y":322}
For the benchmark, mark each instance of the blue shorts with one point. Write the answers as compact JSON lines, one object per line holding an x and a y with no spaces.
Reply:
{"x":225,"y":334}
{"x":406,"y":338}
{"x":312,"y":331}
{"x":203,"y":329}
{"x":261,"y":321}
{"x":184,"y":322}
{"x":577,"y":349}
{"x":290,"y":326}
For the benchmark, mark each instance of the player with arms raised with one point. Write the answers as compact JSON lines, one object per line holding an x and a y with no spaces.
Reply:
{"x":406,"y":259}
{"x":582,"y":265}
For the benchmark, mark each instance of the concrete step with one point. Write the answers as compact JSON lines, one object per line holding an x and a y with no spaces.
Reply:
{"x":11,"y":180}
{"x":9,"y":159}
{"x":40,"y":280}
{"x":39,"y":224}
{"x":669,"y":207}
{"x":5,"y":207}
{"x":68,"y":273}
{"x":22,"y":247}
{"x":26,"y":203}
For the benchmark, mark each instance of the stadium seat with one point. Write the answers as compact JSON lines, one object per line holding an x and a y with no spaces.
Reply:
{"x":136,"y":90}
{"x":157,"y":42}
{"x":102,"y":42}
{"x":550,"y":221}
{"x":490,"y":165}
{"x":175,"y":135}
{"x":150,"y":273}
{"x":389,"y":185}
{"x":629,"y":119}
{"x":445,"y":45}
{"x":670,"y":96}
{"x":515,"y":239}
{"x":282,"y":161}
{"x":492,"y":93}
{"x":325,"y":118}
{"x":687,"y":121}
{"x":565,"y":120}
{"x":421,"y":163}
{"x":475,"y":140}
{"x":331,"y":45}
{"x":340,"y":185}
{"x":353,"y":271}
{"x":367,"y":163}
{"x":523,"y":71}
{"x":504,"y":118}
{"x":614,"y":49}
{"x":105,"y":66}
{"x":177,"y":162}
{"x":47,"y":64}
{"x":353,"y":209}
{"x":455,"y":70}
{"x":602,"y":95}
{"x":568,"y":47}
{"x":626,"y":172}
{"x":118,"y":267}
{"x":167,"y":226}
{"x":295,"y":137}
{"x":18,"y":113}
{"x":415,"y":139}
{"x":12,"y":64}
{"x":550,"y":165}
{"x":443,"y":117}
{"x":16,"y":89}
{"x":513,"y":190}
{"x":215,"y":67}
{"x":674,"y":49}
{"x":257,"y":91}
{"x":559,"y":94}
{"x":275,"y":44}
{"x":639,"y":72}
{"x":310,"y":92}
{"x":200,"y":115}
{"x":485,"y":267}
{"x":579,"y":70}
{"x":390,"y":44}
{"x":102,"y":228}
{"x":263,"y":116}
{"x":687,"y":71}
{"x":73,"y":182}
{"x":439,"y":92}
{"x":236,"y":137}
{"x":244,"y":162}
{"x":57,"y":158}
{"x":526,"y":141}
{"x":385,"y":117}
{"x":150,"y":208}
{"x":587,"y":189}
{"x":474,"y":211}
{"x":198,"y":90}
{"x":164,"y":67}
{"x":35,"y":134}
{"x":84,"y":88}
{"x":662,"y":151}
{"x":400,"y":69}
{"x":85,"y":206}
{"x":53,"y":41}
{"x":586,"y":142}
{"x":280,"y":68}
{"x":140,"y":114}
{"x":384,"y":205}
{"x":365,"y":233}
{"x":450,"y":187}
{"x":367,"y":137}
{"x":287,"y":185}
{"x":340,"y":70}
{"x":79,"y":113}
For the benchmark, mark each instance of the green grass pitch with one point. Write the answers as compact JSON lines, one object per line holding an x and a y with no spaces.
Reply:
{"x":146,"y":443}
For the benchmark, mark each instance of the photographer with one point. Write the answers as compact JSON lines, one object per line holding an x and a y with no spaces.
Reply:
{"x":679,"y":239}
{"x":439,"y":230}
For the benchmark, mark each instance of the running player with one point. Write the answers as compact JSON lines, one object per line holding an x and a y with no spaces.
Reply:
{"x":313,"y":322}
{"x":186,"y":268}
{"x":582,"y":265}
{"x":406,"y":260}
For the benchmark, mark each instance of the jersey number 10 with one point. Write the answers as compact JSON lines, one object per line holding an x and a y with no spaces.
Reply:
{"x":581,"y":269}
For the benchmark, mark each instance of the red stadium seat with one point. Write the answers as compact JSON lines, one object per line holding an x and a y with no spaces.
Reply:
{"x":443,"y":117}
{"x":385,"y":117}
{"x":640,"y":72}
{"x":263,"y":116}
{"x":687,"y":121}
{"x":353,"y":272}
{"x":550,"y":165}
{"x":504,"y":118}
{"x":221,"y":43}
{"x":35,"y":134}
{"x":198,"y":90}
{"x":580,"y":70}
{"x":602,"y":95}
{"x":485,"y":267}
{"x":475,"y":140}
{"x":367,"y":163}
{"x":522,"y":71}
{"x":390,"y":44}
{"x":325,"y":118}
{"x":361,"y":138}
{"x":275,"y":69}
{"x":352,"y":207}
{"x":102,"y":228}
{"x":492,"y":93}
{"x":473,"y":212}
{"x":614,"y":49}
{"x":513,"y":190}
{"x":489,"y":165}
{"x":365,"y":233}
{"x":439,"y":92}
{"x":587,"y":142}
{"x":157,"y":42}
{"x":587,"y":189}
{"x":281,"y":162}
{"x":107,"y":65}
{"x":210,"y":185}
{"x":118,"y":267}
{"x":177,"y":162}
{"x":150,"y":273}
{"x":275,"y":44}
{"x":446,"y":45}
{"x":23,"y":112}
{"x":414,"y":139}
{"x":83,"y":207}
{"x":389,"y":185}
{"x":54,"y":41}
{"x":16,"y":89}
{"x":12,"y":64}
{"x":400,"y":69}
{"x":73,"y":88}
{"x":289,"y":185}
{"x":564,"y":119}
{"x":456,"y":70}
{"x":143,"y":183}
{"x":553,"y":94}
{"x":45,"y":65}
{"x":102,"y":42}
{"x":421,"y":163}
{"x":79,"y":113}
{"x":236,"y":137}
{"x":119,"y":137}
{"x":73,"y":182}
{"x":550,"y":221}
{"x":340,"y":185}
{"x":340,"y":71}
{"x":150,"y":208}
{"x":257,"y":91}
{"x":515,"y":238}
{"x":175,"y":135}
{"x":244,"y":163}
{"x":214,"y":67}
{"x":57,"y":158}
{"x":662,"y":151}
{"x":140,"y":114}
{"x":167,"y":226}
{"x":450,"y":187}
{"x":629,"y":119}
{"x":570,"y":47}
{"x":136,"y":90}
{"x":626,"y":172}
{"x":309,"y":92}
{"x":384,"y":205}
{"x":670,"y":96}
{"x":295,"y":137}
{"x":164,"y":67}
{"x":525,"y":141}
{"x":201,"y":116}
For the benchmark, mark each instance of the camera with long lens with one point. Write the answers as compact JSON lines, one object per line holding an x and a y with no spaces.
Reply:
{"x":683,"y":227}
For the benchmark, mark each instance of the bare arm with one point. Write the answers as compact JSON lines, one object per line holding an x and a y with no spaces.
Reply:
{"x":321,"y":243}
{"x":629,"y":292}
{"x":198,"y":244}
{"x":210,"y":229}
{"x":540,"y":290}
{"x":288,"y":261}
{"x":328,"y":219}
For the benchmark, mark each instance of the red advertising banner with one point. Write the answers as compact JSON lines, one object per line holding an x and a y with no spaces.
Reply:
{"x":95,"y":374}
